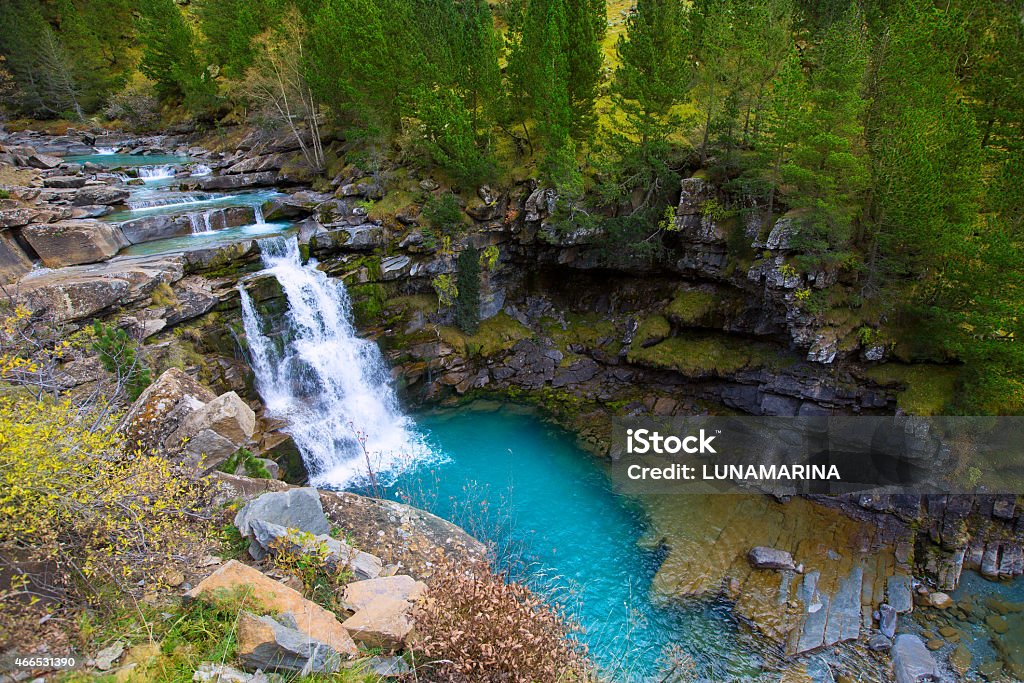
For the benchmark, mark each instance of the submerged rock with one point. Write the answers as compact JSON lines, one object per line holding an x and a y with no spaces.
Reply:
{"x":762,"y":557}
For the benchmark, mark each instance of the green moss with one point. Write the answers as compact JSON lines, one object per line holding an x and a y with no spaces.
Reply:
{"x":589,"y":330}
{"x":368,"y":302}
{"x":690,"y":306}
{"x":653,"y":329}
{"x":929,"y":389}
{"x":496,"y":334}
{"x":392,"y":203}
{"x":703,"y":355}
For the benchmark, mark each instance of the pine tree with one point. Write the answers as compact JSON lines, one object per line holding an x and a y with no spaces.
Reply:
{"x":826,"y":165}
{"x":169,"y":56}
{"x":229,"y":28}
{"x":654,"y":71}
{"x":364,"y":59}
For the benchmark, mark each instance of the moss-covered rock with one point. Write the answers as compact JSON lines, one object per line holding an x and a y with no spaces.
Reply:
{"x":691,"y":306}
{"x":704,"y":355}
{"x":928,"y":389}
{"x":495,"y":335}
{"x":652,"y":330}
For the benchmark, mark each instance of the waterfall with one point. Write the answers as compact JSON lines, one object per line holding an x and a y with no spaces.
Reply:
{"x":170,"y":200}
{"x":200,"y":222}
{"x":157,"y":172}
{"x":258,"y":213}
{"x":201,"y":170}
{"x":106,"y":151}
{"x":332,"y":387}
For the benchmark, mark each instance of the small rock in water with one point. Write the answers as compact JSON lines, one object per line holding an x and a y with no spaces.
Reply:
{"x":940,"y":601}
{"x":763,"y":557}
{"x":934,"y":644}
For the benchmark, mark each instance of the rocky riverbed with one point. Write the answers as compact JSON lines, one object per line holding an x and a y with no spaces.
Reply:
{"x":718,"y":326}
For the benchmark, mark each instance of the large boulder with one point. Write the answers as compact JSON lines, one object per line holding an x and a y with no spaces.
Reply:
{"x":276,"y":644}
{"x":162,"y":407}
{"x":44,"y":161}
{"x":236,"y":181}
{"x":101,"y":194}
{"x":13,"y":261}
{"x":70,"y":243}
{"x":297,"y":508}
{"x":79,"y":292}
{"x":911,"y":660}
{"x":211,"y":434}
{"x":19,"y":216}
{"x":310,"y":618}
{"x":149,"y":228}
{"x":65,"y":181}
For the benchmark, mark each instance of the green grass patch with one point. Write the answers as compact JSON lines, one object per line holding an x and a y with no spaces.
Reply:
{"x":705,"y":355}
{"x":392,"y":203}
{"x":588,"y":330}
{"x":929,"y":389}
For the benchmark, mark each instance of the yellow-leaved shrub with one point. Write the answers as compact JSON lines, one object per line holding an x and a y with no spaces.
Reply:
{"x":73,"y":499}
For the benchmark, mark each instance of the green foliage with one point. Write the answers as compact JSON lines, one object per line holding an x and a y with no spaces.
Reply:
{"x":251,"y":465}
{"x":119,"y":356}
{"x":445,"y":214}
{"x":170,"y":56}
{"x":467,"y":305}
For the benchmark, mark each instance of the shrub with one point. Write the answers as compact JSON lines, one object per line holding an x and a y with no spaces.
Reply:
{"x":72,"y":499}
{"x":477,"y":626}
{"x":119,"y":357}
{"x":445,"y":214}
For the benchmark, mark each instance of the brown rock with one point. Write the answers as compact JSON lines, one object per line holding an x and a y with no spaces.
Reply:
{"x":70,"y":243}
{"x":359,"y":594}
{"x":310,"y":618}
{"x":383,"y":623}
{"x":162,"y":407}
{"x":13,"y":261}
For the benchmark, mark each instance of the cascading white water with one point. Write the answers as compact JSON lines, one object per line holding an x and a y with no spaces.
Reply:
{"x":332,"y":387}
{"x":200,"y":222}
{"x":151,"y":202}
{"x":106,"y":151}
{"x":157,"y":172}
{"x":200,"y":170}
{"x":258,"y":213}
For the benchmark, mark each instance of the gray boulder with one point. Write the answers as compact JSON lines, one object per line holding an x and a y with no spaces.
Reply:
{"x":214,"y":432}
{"x":911,"y":660}
{"x":70,"y":243}
{"x":65,"y":181}
{"x":298,"y":508}
{"x":101,"y":194}
{"x":887,"y":616}
{"x":336,"y":554}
